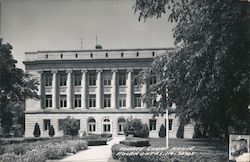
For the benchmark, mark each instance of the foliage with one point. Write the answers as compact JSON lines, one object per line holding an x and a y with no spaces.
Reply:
{"x":162,"y":131}
{"x":135,"y":141}
{"x":136,"y":127}
{"x":207,"y":74}
{"x":70,"y":126}
{"x":42,"y":150}
{"x":51,"y":131}
{"x":37,"y":131}
{"x":15,"y":85}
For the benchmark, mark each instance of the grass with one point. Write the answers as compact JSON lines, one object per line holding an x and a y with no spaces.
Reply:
{"x":200,"y":144}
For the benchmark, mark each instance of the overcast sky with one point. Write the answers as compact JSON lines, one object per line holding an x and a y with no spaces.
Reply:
{"x":32,"y":25}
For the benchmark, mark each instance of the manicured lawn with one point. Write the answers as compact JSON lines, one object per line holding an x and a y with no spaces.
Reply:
{"x":200,"y":144}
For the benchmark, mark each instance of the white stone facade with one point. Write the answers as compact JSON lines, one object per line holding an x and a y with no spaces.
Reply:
{"x":96,"y":87}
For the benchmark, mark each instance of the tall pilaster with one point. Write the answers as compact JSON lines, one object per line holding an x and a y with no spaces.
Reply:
{"x":114,"y":89}
{"x":41,"y":88}
{"x":54,"y":90}
{"x":84,"y":89}
{"x":129,"y":89}
{"x":69,"y":89}
{"x":99,"y":89}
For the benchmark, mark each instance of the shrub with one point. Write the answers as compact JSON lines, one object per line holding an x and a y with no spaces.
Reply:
{"x":70,"y":126}
{"x":162,"y":132}
{"x":37,"y":131}
{"x":51,"y":131}
{"x":18,"y":131}
{"x":97,"y":142}
{"x":137,"y":128}
{"x":137,"y":142}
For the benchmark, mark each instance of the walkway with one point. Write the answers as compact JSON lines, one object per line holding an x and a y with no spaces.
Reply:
{"x":94,"y":153}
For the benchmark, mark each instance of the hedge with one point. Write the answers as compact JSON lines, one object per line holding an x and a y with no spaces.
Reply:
{"x":136,"y":141}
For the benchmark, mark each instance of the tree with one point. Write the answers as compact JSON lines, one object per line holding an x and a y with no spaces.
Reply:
{"x":136,"y":127}
{"x":162,"y":132}
{"x":51,"y":131}
{"x":70,"y":126}
{"x":37,"y":131}
{"x":15,"y":86}
{"x":207,"y":74}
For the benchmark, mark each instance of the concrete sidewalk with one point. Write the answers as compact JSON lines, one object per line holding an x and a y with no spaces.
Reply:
{"x":94,"y":153}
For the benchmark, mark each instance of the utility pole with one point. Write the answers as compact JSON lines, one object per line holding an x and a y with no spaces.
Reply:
{"x":167,"y":132}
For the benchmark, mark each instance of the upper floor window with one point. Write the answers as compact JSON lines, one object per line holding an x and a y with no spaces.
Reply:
{"x":122,"y":79}
{"x":152,"y":80}
{"x":78,"y":101}
{"x":63,"y":101}
{"x":48,"y":80}
{"x":107,"y":101}
{"x":92,"y":101}
{"x":107,"y":80}
{"x":92,"y":79}
{"x":122,"y":101}
{"x":136,"y":80}
{"x":152,"y":102}
{"x":48,"y":101}
{"x":77,"y":79}
{"x":63,"y":80}
{"x":137,"y":101}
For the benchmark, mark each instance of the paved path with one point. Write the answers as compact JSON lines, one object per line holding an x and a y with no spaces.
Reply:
{"x":94,"y":153}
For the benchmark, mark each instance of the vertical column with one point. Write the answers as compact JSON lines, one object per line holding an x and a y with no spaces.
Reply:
{"x":114,"y":89}
{"x":54,"y":90}
{"x":84,"y":89}
{"x":143,"y":92}
{"x":99,"y":89}
{"x":41,"y":89}
{"x":129,"y":89}
{"x":69,"y":89}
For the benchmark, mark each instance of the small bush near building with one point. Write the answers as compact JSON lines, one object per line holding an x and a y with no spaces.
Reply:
{"x":37,"y":131}
{"x":137,"y":128}
{"x":70,"y":126}
{"x":135,"y":141}
{"x":162,"y":132}
{"x":51,"y":131}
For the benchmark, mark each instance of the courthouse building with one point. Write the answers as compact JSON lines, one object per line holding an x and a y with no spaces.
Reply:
{"x":98,"y":88}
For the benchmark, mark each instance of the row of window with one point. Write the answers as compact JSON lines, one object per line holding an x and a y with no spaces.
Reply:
{"x":92,"y":80}
{"x":106,"y":124}
{"x":92,"y":101}
{"x":106,"y":55}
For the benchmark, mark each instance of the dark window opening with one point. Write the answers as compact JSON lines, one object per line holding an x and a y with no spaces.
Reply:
{"x":106,"y":55}
{"x":61,"y":55}
{"x":76,"y":55}
{"x":122,"y":54}
{"x":153,"y":54}
{"x":137,"y":54}
{"x":91,"y":55}
{"x":46,"y":56}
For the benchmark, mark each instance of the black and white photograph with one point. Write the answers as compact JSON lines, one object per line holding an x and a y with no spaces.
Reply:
{"x":124,"y":81}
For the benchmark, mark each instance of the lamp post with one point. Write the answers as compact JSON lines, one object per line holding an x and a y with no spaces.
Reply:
{"x":167,"y":124}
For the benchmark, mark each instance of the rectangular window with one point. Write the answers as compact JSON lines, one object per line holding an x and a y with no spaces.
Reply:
{"x":152,"y":80}
{"x":137,"y":101}
{"x":77,"y":79}
{"x":78,"y":101}
{"x":122,"y":79}
{"x":63,"y":101}
{"x":92,"y":79}
{"x":60,"y":124}
{"x":106,"y":127}
{"x":152,"y":124}
{"x":48,"y":101}
{"x":152,"y":102}
{"x":92,"y":127}
{"x":48,"y":80}
{"x":136,"y":80}
{"x":107,"y":101}
{"x":122,"y":101}
{"x":170,"y":124}
{"x":46,"y":124}
{"x":107,"y":80}
{"x":92,"y":101}
{"x":63,"y":80}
